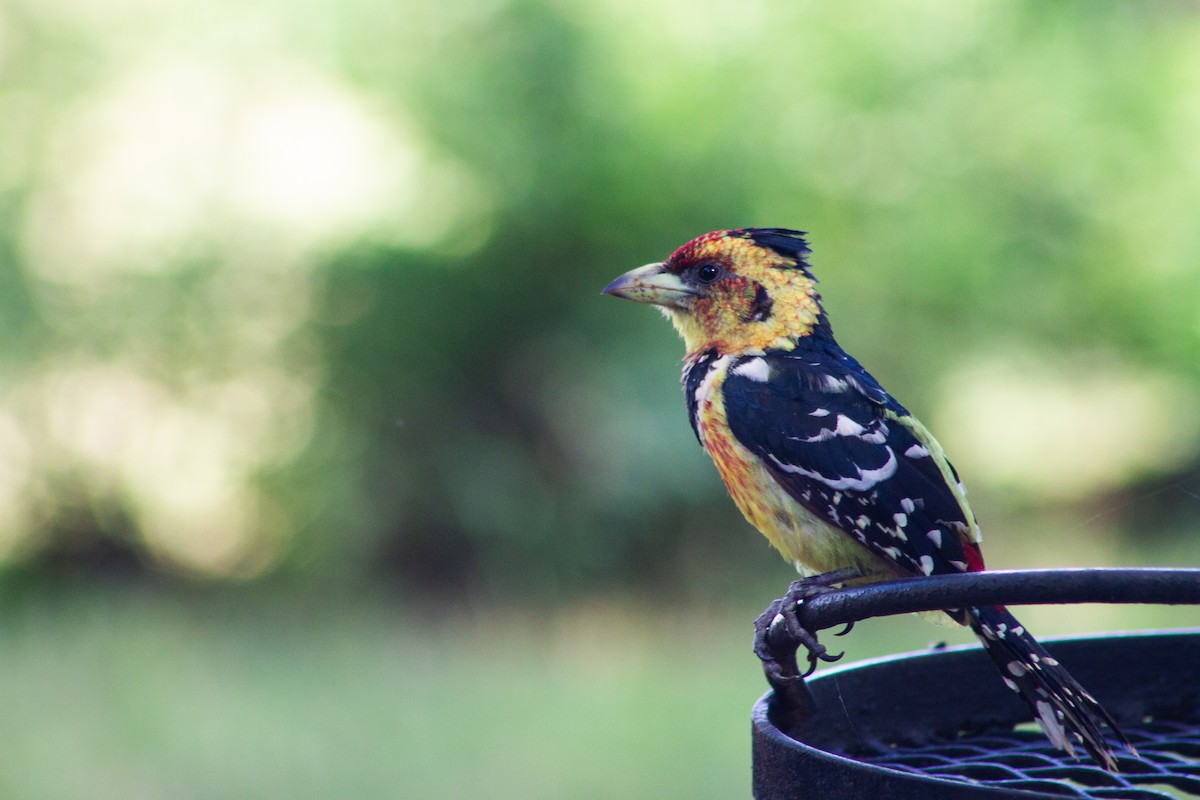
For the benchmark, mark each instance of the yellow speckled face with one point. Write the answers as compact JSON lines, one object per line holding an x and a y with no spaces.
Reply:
{"x":748,"y":297}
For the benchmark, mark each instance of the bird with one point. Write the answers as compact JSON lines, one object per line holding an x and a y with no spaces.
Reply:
{"x":822,"y":460}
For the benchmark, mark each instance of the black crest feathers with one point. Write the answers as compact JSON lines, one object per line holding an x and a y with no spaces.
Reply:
{"x":784,"y":241}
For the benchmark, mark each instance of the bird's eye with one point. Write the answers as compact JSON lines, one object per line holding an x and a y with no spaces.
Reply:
{"x":707,"y":273}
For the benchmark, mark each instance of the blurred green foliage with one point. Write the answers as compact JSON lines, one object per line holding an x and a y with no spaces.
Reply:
{"x":311,"y":289}
{"x":305,"y":294}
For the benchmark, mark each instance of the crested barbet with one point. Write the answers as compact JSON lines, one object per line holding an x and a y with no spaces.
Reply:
{"x":821,"y":459}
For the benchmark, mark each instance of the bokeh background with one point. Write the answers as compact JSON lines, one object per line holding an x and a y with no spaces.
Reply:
{"x":325,"y":469}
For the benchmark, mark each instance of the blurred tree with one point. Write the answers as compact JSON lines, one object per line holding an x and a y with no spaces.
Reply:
{"x":314,"y":287}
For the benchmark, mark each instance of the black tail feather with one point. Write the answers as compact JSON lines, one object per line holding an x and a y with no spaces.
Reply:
{"x":1063,"y":708}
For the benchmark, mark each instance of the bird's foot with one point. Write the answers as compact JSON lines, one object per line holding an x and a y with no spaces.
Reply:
{"x":778,"y":633}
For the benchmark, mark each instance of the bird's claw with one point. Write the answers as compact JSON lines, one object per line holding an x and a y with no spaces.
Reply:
{"x":778,"y":633}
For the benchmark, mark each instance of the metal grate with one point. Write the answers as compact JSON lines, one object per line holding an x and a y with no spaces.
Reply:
{"x":1168,"y":755}
{"x":939,"y":724}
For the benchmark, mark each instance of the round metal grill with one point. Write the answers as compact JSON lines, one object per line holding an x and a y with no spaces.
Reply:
{"x":896,"y":728}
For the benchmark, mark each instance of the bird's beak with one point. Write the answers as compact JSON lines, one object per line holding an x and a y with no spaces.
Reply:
{"x":652,"y":284}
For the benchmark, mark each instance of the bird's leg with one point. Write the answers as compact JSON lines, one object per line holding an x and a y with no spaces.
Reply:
{"x":778,"y":633}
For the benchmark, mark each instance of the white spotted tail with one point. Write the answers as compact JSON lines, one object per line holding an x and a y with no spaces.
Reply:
{"x":1062,"y":707}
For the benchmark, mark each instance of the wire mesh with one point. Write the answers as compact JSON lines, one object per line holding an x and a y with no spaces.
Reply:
{"x":1167,"y":764}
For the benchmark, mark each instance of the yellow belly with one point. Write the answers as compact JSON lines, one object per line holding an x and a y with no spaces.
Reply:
{"x":806,"y":540}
